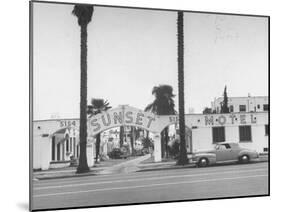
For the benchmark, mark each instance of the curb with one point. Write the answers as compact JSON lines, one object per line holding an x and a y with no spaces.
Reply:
{"x":186,"y":166}
{"x":167,"y":168}
{"x":91,"y":173}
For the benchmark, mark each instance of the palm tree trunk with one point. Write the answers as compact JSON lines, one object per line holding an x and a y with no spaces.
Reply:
{"x":132,"y":140}
{"x":97,"y":147}
{"x":166,"y":132}
{"x":183,"y":154}
{"x":83,"y":165}
{"x":163,"y":144}
{"x":121,"y":135}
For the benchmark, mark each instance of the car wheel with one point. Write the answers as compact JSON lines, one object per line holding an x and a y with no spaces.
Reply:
{"x":203,"y":162}
{"x":244,"y":159}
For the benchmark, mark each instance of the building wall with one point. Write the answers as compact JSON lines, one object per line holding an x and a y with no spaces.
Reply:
{"x":253,"y":104}
{"x":202,"y":125}
{"x":42,"y":142}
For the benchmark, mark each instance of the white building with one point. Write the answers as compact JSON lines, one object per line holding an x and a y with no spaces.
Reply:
{"x":55,"y":141}
{"x":242,"y":104}
{"x":250,"y":130}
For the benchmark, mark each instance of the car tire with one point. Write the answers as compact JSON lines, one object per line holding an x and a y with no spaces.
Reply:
{"x":244,"y":159}
{"x":203,"y":162}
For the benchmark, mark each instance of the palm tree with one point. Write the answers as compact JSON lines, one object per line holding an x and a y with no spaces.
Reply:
{"x":132,"y":139}
{"x":180,"y":35}
{"x":163,"y":105}
{"x":84,"y":15}
{"x":121,"y":135}
{"x":97,"y":106}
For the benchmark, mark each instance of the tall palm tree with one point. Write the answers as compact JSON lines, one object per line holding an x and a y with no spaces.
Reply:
{"x":84,"y":15}
{"x":163,"y":105}
{"x":132,"y":139}
{"x":180,"y":35}
{"x":121,"y":136}
{"x":97,"y":106}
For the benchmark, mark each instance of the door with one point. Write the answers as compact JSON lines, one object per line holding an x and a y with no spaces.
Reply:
{"x":224,"y":152}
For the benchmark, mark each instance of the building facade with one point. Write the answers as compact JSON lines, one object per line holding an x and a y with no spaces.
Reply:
{"x":250,"y":130}
{"x":242,"y":104}
{"x":56,"y":141}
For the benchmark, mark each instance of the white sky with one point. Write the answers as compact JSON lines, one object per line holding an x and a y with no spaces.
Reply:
{"x":131,"y":50}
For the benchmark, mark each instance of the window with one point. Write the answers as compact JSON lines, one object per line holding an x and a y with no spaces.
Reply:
{"x":245,"y":133}
{"x":242,"y":108}
{"x":265,"y":149}
{"x":218,"y":134}
{"x":231,"y":108}
{"x":258,"y":106}
{"x":266,"y":129}
{"x":265,"y":107}
{"x":223,"y":147}
{"x":227,"y":146}
{"x":53,"y":147}
{"x":67,"y":144}
{"x":58,"y":151}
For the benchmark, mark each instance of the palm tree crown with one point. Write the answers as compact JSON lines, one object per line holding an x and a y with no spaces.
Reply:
{"x":97,"y":106}
{"x":83,"y":13}
{"x":164,"y":103}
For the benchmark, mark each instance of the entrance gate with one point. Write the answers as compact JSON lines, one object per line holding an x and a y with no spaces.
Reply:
{"x":130,"y":116}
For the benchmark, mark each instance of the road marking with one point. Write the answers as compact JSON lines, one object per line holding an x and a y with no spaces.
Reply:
{"x":143,"y":179}
{"x":144,"y":186}
{"x":139,"y":174}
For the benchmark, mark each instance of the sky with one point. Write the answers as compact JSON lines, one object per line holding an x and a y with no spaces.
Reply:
{"x":132,"y":50}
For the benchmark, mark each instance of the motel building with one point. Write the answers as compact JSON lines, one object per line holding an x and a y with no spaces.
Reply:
{"x":56,"y":141}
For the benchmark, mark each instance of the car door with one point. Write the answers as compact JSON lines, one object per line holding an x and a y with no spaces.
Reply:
{"x":224,"y":153}
{"x":231,"y":152}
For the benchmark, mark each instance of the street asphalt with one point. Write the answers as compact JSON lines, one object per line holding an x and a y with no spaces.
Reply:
{"x":152,"y":186}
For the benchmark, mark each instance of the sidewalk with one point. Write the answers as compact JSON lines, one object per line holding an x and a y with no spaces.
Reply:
{"x":137,"y":164}
{"x":71,"y":171}
{"x":107,"y":167}
{"x":126,"y":167}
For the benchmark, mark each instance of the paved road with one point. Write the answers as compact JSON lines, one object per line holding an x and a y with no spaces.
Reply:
{"x":152,"y":186}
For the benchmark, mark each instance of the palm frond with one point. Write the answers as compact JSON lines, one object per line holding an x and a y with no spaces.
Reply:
{"x":83,"y":12}
{"x":97,"y":106}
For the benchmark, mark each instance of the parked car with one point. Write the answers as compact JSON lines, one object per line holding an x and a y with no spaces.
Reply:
{"x":118,"y":153}
{"x":224,"y":152}
{"x":140,"y":152}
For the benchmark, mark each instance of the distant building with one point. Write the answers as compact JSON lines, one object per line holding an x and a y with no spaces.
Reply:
{"x":242,"y":104}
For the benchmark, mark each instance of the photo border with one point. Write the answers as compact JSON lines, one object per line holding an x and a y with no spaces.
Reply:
{"x":31,"y":45}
